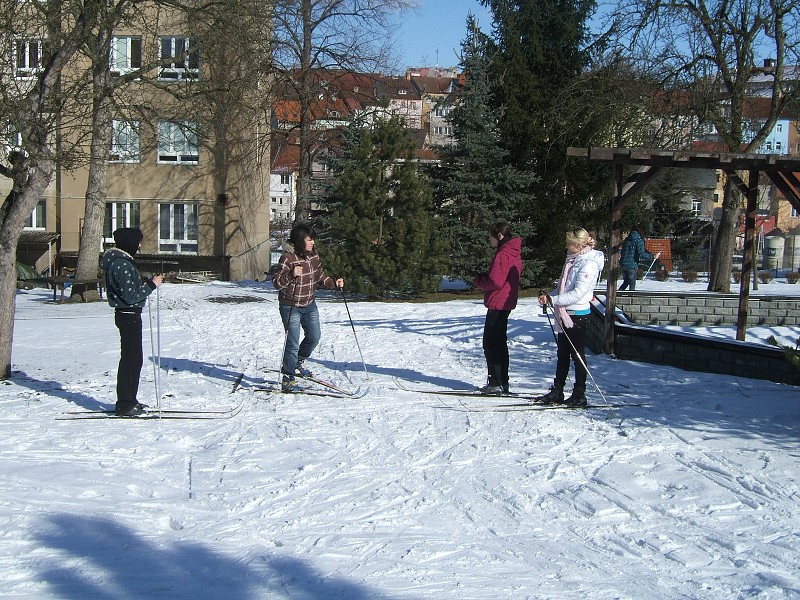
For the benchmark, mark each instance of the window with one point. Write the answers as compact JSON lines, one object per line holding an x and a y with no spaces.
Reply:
{"x":12,"y":139}
{"x":438,"y":130}
{"x":126,"y":54}
{"x":179,"y":58}
{"x":795,"y":212}
{"x":177,"y":227}
{"x":27,"y":58}
{"x":177,"y":142}
{"x":119,"y":214}
{"x":37,"y":218}
{"x":696,"y":206}
{"x":286,"y":179}
{"x":778,"y":147}
{"x":125,"y":141}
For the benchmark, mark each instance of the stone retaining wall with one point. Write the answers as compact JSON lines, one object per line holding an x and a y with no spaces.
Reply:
{"x":704,"y":309}
{"x":694,"y":352}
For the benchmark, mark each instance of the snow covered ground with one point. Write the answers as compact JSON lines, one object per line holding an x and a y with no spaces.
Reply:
{"x":395,"y":495}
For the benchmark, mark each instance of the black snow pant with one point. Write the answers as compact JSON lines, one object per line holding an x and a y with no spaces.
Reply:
{"x":577,"y":335}
{"x":495,"y":346}
{"x":129,"y":323}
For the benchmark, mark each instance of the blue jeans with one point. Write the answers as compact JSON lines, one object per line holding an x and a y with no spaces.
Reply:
{"x":294,"y":318}
{"x":628,"y":279}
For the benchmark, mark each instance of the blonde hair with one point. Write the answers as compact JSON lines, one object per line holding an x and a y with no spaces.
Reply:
{"x":579,"y":236}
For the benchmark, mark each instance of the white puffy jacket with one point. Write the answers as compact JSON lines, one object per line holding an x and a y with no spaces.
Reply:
{"x":580,"y":283}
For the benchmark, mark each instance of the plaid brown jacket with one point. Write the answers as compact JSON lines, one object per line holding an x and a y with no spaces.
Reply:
{"x":299,"y":291}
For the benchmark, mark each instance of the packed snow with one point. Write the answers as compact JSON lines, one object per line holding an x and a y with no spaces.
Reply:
{"x":392,"y":494}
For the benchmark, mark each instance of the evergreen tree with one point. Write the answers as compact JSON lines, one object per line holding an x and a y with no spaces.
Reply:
{"x":539,"y":51}
{"x":475,"y":185}
{"x":378,"y":228}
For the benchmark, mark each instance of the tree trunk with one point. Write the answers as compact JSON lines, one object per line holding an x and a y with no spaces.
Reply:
{"x":725,"y":242}
{"x":20,"y":209}
{"x":91,"y":243}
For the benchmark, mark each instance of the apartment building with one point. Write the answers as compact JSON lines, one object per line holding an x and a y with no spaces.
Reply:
{"x":197,"y":186}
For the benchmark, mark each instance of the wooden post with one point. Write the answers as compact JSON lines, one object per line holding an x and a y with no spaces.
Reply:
{"x":613,"y":259}
{"x":747,"y":254}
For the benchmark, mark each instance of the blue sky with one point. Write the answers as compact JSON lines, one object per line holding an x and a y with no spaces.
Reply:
{"x":432,"y":35}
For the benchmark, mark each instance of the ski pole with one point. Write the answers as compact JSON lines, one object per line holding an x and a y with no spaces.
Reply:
{"x":153,"y":353}
{"x":355,"y":337}
{"x":547,"y":314}
{"x":651,"y":266}
{"x":286,"y":326}
{"x":578,"y":356}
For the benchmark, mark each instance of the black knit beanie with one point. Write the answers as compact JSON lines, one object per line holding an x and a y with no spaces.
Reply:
{"x":128,"y":239}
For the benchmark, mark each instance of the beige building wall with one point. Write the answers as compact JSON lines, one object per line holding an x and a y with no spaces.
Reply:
{"x":233,"y":219}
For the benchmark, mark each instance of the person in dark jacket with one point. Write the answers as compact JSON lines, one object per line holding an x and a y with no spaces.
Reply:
{"x":500,"y":291}
{"x":300,"y":274}
{"x":631,"y":254}
{"x":127,"y":293}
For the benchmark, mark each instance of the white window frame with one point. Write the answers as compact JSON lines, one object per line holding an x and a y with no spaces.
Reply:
{"x":286,"y":179}
{"x":126,"y":54}
{"x":177,"y":143}
{"x":178,"y":227}
{"x":38,"y":218}
{"x":120,"y":213}
{"x":697,"y":206}
{"x":125,"y":141}
{"x":28,"y":56}
{"x":12,"y":139}
{"x":185,"y":61}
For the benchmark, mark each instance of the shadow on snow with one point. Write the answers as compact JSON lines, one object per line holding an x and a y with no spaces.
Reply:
{"x":96,"y":558}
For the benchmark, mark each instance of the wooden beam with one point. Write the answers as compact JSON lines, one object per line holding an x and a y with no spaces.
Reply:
{"x":788,"y":184}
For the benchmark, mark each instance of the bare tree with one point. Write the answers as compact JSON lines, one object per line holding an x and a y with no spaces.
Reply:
{"x":314,"y":35}
{"x":227,"y":100}
{"x":708,"y":51}
{"x":111,"y":14}
{"x":30,"y":95}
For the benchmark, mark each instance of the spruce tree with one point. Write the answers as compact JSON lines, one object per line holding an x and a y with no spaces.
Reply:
{"x":378,"y":226}
{"x":539,"y":51}
{"x":474,"y":184}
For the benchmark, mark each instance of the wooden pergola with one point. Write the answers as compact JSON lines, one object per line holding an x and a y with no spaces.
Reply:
{"x":781,"y":169}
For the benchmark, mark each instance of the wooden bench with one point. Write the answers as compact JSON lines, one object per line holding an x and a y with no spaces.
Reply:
{"x":58,"y":283}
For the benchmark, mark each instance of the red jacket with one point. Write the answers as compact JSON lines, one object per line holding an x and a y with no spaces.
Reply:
{"x":501,"y":284}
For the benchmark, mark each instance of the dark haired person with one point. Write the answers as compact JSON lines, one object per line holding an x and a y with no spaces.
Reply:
{"x":127,"y":293}
{"x":300,"y":274}
{"x":632,"y":253}
{"x":500,"y":292}
{"x":571,"y":302}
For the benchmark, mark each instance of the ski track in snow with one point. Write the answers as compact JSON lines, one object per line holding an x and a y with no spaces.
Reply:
{"x":391,"y":495}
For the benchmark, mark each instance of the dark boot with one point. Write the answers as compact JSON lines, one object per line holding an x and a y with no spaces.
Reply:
{"x":578,"y":397}
{"x":554,"y":396}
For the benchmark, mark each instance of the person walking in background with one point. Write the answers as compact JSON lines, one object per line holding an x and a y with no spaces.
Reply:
{"x":500,"y":292}
{"x":127,"y":293}
{"x":631,"y":254}
{"x":300,"y":274}
{"x":571,"y":305}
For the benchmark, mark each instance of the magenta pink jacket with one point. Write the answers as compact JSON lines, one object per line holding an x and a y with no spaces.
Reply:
{"x":501,"y":284}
